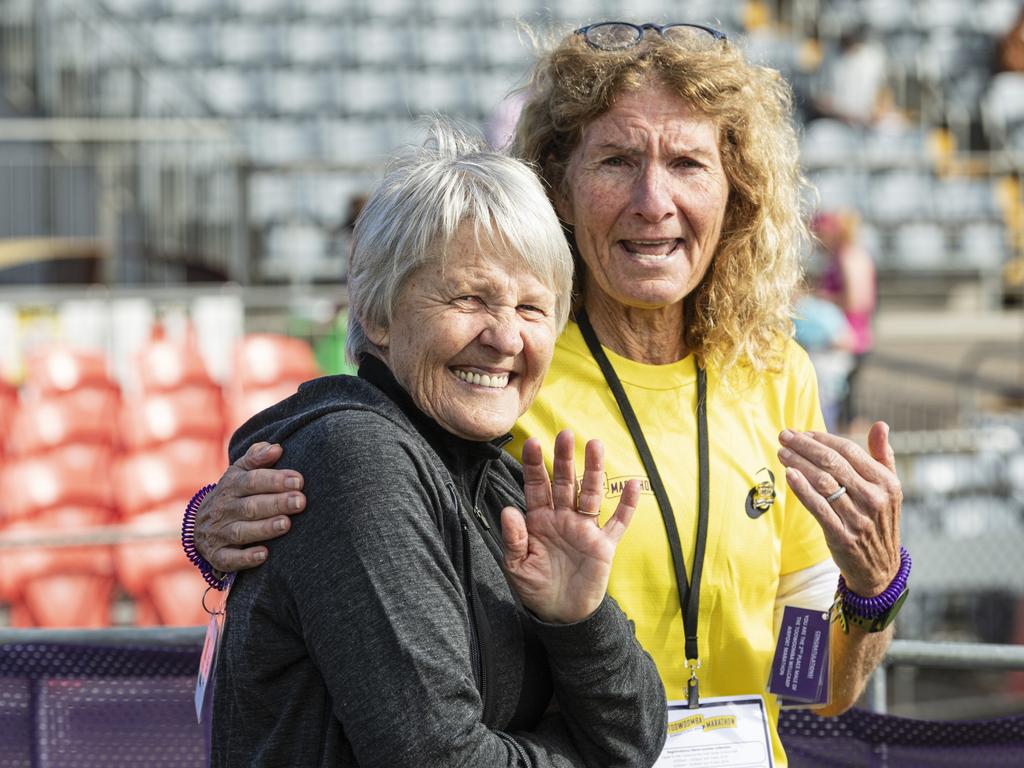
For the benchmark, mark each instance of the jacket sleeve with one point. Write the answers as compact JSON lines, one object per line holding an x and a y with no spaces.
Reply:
{"x":366,"y":576}
{"x":610,"y":697}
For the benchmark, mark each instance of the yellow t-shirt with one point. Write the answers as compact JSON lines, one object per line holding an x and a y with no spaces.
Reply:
{"x":745,"y":555}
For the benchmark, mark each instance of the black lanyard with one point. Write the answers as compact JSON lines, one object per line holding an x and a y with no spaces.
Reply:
{"x":689,"y":596}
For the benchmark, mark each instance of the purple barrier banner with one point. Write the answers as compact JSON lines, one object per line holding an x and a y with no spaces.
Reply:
{"x":115,"y":706}
{"x":64,"y":706}
{"x":861,"y":739}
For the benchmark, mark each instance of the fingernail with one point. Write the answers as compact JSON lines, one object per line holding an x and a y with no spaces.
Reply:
{"x":293,"y":484}
{"x":280,"y":525}
{"x":785,"y":454}
{"x":295,"y":502}
{"x":264,"y":450}
{"x":259,"y":557}
{"x":786,"y":435}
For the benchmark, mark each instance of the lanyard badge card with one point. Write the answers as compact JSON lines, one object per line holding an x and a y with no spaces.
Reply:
{"x":723,"y":732}
{"x":211,"y":649}
{"x":800,"y":667}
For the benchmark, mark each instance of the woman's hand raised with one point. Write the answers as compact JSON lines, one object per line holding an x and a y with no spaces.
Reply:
{"x":856,"y":497}
{"x":558,"y":557}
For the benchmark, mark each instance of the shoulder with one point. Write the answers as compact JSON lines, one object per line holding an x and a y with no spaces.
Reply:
{"x":796,"y":362}
{"x":366,"y":469}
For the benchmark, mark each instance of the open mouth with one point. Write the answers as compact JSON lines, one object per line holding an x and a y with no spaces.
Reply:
{"x":489,"y":380}
{"x":652,"y":249}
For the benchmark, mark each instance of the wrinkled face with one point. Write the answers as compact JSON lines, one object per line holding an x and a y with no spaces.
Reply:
{"x":646,"y":196}
{"x":472,"y":337}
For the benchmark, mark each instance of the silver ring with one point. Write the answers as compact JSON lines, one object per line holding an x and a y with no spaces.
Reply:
{"x":833,"y":496}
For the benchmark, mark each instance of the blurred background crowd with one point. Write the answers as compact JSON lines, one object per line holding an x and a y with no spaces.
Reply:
{"x":178,"y":180}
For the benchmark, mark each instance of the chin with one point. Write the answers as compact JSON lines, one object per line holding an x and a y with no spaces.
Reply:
{"x":484,"y":430}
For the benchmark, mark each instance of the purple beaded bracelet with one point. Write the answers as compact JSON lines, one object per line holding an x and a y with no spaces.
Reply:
{"x":188,"y":541}
{"x":873,"y":607}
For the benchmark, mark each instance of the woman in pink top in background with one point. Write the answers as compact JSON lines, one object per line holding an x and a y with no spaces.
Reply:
{"x":848,"y":279}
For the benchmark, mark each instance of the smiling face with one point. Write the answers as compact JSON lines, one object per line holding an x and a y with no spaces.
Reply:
{"x":471,"y":337}
{"x":646,"y":197}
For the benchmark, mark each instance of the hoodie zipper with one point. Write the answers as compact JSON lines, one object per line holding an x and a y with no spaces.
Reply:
{"x":476,"y":650}
{"x":475,"y":609}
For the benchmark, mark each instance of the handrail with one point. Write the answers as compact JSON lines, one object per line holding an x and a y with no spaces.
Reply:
{"x":137,"y":636}
{"x":109,"y":129}
{"x":920,"y":653}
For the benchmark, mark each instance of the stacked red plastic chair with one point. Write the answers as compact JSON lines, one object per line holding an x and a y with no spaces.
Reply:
{"x":267,"y":368}
{"x":173,"y":432}
{"x":54,"y":483}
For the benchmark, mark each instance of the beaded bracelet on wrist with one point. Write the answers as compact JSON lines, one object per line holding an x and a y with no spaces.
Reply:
{"x":212,"y":576}
{"x":872,"y":607}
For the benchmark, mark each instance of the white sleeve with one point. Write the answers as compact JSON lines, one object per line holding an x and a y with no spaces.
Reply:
{"x":811,"y":587}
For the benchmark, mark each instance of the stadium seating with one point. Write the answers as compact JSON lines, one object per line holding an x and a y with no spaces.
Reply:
{"x":165,"y":364}
{"x":76,"y":475}
{"x":166,"y":473}
{"x":191,"y":412}
{"x":268,"y":368}
{"x":68,"y":586}
{"x":86,"y":416}
{"x":58,"y":370}
{"x":165,"y":587}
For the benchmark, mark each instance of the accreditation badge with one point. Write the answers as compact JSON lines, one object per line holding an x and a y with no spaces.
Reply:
{"x":722,"y":732}
{"x":211,"y":649}
{"x":799,"y":675}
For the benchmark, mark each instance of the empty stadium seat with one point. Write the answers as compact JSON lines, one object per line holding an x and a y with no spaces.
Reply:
{"x":920,"y":246}
{"x":168,"y":473}
{"x":72,"y":476}
{"x":8,"y":407}
{"x":191,"y":412}
{"x":57,"y":586}
{"x":82,"y":416}
{"x":1003,"y":107}
{"x":166,"y":588}
{"x":263,"y":359}
{"x":244,"y":405}
{"x":983,"y":245}
{"x":313,"y":43}
{"x":900,"y":195}
{"x":58,"y":370}
{"x":164,"y":364}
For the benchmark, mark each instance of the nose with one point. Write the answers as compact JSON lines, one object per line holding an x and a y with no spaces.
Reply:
{"x":503,"y":332}
{"x":652,"y":199}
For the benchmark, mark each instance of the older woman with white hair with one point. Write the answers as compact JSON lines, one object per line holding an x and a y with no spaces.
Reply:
{"x":414,"y":616}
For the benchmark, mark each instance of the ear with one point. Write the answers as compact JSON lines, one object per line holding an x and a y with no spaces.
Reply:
{"x":378,"y":334}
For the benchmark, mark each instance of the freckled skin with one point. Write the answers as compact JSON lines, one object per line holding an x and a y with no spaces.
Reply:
{"x":649,"y":170}
{"x":483,"y":312}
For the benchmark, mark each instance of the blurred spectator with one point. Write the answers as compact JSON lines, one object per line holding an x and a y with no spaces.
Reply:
{"x":852,"y":82}
{"x":822,"y":330}
{"x":1010,"y":54}
{"x":848,"y":281}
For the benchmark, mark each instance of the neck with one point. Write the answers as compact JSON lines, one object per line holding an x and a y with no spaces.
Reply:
{"x":653,"y":336}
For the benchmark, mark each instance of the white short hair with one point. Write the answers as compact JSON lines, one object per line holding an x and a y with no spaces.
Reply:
{"x":423,"y":199}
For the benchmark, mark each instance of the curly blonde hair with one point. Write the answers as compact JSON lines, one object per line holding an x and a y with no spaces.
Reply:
{"x":740,"y":312}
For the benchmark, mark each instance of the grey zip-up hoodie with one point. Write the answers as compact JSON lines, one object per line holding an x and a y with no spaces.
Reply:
{"x":382,"y":631}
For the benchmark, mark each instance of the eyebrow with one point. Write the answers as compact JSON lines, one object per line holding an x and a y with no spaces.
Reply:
{"x":629,"y":149}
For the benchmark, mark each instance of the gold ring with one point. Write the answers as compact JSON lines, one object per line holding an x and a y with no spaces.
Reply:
{"x":588,"y":514}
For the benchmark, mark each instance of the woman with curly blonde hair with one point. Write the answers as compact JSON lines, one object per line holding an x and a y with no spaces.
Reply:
{"x":672,"y":163}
